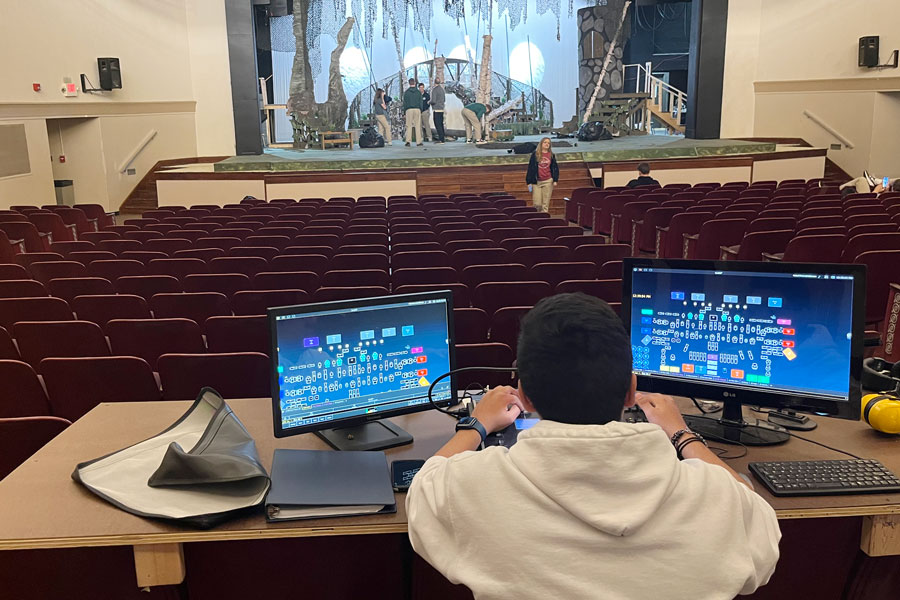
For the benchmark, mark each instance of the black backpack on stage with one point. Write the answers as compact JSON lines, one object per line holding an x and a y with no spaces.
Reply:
{"x":524,"y":148}
{"x":593,"y":131}
{"x":370,"y":138}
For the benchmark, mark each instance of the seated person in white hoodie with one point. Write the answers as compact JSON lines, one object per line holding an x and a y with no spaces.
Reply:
{"x":585,"y":506}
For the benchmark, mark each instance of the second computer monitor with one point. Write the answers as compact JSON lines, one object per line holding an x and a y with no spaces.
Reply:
{"x":341,"y":366}
{"x":770,"y":334}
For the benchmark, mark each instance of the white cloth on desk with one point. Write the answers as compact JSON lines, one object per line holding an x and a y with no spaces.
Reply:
{"x":591,"y":511}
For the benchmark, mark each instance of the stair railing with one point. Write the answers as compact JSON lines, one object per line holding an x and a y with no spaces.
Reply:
{"x":664,"y":97}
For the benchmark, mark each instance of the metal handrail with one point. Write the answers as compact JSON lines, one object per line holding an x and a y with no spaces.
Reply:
{"x":669,"y":99}
{"x":140,"y":148}
{"x":818,"y":121}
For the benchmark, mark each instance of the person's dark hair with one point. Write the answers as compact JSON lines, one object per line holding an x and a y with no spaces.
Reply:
{"x":574,"y":360}
{"x":421,"y":85}
{"x":412,"y":81}
{"x":379,"y":93}
{"x":644,"y":169}
{"x":895,"y":187}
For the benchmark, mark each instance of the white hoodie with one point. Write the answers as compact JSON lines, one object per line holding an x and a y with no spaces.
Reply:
{"x":591,"y":511}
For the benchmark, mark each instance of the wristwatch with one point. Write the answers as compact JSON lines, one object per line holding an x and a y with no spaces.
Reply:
{"x":472,"y":423}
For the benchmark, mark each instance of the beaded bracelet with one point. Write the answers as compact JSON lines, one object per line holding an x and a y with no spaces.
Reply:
{"x":696,"y":438}
{"x":677,"y":435}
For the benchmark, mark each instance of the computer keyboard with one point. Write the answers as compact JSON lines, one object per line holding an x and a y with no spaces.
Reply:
{"x":825,"y":477}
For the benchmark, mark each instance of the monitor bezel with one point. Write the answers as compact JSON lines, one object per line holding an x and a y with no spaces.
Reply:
{"x":845,"y":409}
{"x":281,"y":432}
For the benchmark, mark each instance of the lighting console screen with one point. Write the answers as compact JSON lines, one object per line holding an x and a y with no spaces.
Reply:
{"x":785,"y":332}
{"x":341,"y":364}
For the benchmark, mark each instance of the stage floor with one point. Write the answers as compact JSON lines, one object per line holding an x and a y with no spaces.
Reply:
{"x":458,"y":153}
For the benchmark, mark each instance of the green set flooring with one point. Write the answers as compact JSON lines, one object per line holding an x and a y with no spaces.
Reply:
{"x":398,"y":156}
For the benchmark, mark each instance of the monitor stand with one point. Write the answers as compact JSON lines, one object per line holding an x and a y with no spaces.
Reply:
{"x":791,"y":419}
{"x":731,"y":428}
{"x":376,"y":435}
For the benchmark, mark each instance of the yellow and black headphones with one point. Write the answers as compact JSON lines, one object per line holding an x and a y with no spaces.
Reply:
{"x":881,"y":410}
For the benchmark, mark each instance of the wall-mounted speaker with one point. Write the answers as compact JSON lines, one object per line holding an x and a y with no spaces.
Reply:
{"x":868,"y":51}
{"x":110,"y":73}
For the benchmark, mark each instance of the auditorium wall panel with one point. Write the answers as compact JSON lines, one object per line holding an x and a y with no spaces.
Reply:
{"x":849,"y":113}
{"x":686,"y":174}
{"x":787,"y":57}
{"x":180,"y":192}
{"x":37,"y":185}
{"x":810,"y":167}
{"x":175,"y":80}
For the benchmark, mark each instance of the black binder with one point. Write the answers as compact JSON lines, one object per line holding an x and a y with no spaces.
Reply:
{"x":308,"y":484}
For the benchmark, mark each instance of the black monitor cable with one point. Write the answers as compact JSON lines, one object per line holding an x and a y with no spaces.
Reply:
{"x":793,"y":435}
{"x":456,"y":414}
{"x":760,"y":410}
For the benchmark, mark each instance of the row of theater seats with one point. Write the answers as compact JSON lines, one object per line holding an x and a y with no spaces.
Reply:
{"x":485,"y":254}
{"x":795,"y":221}
{"x":72,"y":329}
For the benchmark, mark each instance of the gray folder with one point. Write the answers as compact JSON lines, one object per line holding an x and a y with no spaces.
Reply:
{"x":310,"y":484}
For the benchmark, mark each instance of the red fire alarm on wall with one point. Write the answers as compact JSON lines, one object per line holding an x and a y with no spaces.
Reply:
{"x":36,"y":86}
{"x":62,"y":158}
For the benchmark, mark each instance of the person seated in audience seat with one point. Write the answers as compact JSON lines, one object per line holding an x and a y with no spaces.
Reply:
{"x":584,"y":505}
{"x":643,"y":177}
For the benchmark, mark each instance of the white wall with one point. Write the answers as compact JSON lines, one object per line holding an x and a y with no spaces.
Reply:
{"x":784,"y":57}
{"x":210,"y":77}
{"x":175,"y":80}
{"x":741,"y":57}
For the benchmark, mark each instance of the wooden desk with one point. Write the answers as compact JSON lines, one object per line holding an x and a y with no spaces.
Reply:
{"x":44,"y":508}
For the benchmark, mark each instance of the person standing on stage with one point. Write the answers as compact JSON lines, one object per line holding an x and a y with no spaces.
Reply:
{"x":542,"y":176}
{"x":381,"y":116}
{"x":412,"y":107}
{"x":426,"y":113}
{"x":438,"y":101}
{"x":472,"y":115}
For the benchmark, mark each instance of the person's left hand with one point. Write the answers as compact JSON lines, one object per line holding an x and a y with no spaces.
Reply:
{"x":499,"y":408}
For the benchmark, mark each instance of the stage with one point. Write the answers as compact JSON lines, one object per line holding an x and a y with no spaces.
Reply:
{"x":458,"y":153}
{"x":457,"y":167}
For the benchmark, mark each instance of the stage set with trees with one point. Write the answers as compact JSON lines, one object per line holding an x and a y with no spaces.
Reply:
{"x":565,"y":67}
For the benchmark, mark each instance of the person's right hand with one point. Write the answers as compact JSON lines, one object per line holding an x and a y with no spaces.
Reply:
{"x":661,"y":410}
{"x":499,"y":408}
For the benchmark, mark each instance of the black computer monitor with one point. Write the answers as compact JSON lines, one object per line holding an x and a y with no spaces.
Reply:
{"x":340,"y":368}
{"x":779,"y":335}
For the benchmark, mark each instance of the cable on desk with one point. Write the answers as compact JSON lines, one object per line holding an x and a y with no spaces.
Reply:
{"x":758,"y":409}
{"x":462,"y":413}
{"x":721,"y":452}
{"x":794,"y":435}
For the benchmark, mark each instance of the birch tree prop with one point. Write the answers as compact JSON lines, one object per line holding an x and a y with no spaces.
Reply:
{"x":609,"y":55}
{"x":484,"y":75}
{"x":484,"y":81}
{"x":431,"y":69}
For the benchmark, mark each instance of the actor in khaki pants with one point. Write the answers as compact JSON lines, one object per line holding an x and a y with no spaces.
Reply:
{"x":541,"y":192}
{"x":473,"y":125}
{"x":414,"y":121}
